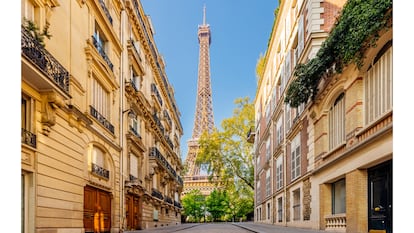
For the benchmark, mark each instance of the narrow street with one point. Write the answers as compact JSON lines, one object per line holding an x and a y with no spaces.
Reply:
{"x":243,"y":227}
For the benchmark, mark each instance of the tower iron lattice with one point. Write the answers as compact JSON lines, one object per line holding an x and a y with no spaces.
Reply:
{"x":203,"y":119}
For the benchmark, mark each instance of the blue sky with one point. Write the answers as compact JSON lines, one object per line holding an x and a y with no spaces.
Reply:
{"x":240,"y":30}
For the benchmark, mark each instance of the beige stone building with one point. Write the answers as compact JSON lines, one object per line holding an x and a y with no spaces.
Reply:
{"x":328,"y":163}
{"x":100,"y":125}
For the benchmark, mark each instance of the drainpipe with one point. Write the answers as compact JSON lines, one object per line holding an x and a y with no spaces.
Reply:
{"x":121,"y":122}
{"x":284,"y":162}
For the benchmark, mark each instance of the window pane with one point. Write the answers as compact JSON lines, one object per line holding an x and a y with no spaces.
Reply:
{"x":338,"y":197}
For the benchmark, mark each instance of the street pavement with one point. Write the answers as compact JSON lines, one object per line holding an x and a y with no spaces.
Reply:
{"x":236,"y":227}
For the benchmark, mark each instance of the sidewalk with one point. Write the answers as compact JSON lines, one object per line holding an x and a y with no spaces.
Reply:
{"x":269,"y":228}
{"x":166,"y":229}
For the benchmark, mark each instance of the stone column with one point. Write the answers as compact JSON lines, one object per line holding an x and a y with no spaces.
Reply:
{"x":357,"y":201}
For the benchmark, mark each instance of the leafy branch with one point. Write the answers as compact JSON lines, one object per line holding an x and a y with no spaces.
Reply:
{"x":34,"y":30}
{"x":354,"y":32}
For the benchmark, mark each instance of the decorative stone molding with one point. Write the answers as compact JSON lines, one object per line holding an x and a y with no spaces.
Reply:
{"x":50,"y":102}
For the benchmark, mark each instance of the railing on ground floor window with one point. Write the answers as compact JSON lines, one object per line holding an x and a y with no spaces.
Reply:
{"x":336,"y":222}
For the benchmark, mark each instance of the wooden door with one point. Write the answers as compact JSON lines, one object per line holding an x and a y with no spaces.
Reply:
{"x":133,"y":213}
{"x":94,"y":199}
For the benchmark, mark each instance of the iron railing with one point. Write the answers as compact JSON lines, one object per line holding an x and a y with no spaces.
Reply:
{"x":168,"y":200}
{"x":46,"y":63}
{"x":100,"y":171}
{"x":158,"y":122}
{"x":101,"y":119}
{"x":154,"y":90}
{"x":28,"y":138}
{"x":134,"y":131}
{"x":105,"y":9}
{"x":101,"y":51}
{"x":157,"y":194}
{"x":177,"y":204}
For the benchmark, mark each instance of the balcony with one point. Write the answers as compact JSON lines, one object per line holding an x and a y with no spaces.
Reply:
{"x":250,"y":135}
{"x":177,"y":204}
{"x":28,"y":138}
{"x":180,"y":180}
{"x":105,"y":9}
{"x":158,"y":123}
{"x":135,"y":132}
{"x":169,"y":142}
{"x":100,"y":171}
{"x":157,"y":194}
{"x":168,"y":200}
{"x":155,"y":153}
{"x":45,"y":62}
{"x":101,"y":52}
{"x":101,"y":119}
{"x":155,"y":92}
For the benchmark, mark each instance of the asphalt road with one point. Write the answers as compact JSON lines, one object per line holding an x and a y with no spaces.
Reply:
{"x":215,"y":228}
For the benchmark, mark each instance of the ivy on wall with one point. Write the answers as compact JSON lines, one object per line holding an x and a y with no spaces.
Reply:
{"x":356,"y":29}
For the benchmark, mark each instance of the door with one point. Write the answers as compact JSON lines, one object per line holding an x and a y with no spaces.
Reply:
{"x":133,"y":213}
{"x":380,"y":198}
{"x":96,"y":200}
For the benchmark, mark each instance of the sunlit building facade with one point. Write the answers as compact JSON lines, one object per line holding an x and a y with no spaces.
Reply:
{"x":100,"y":125}
{"x":321,"y":165}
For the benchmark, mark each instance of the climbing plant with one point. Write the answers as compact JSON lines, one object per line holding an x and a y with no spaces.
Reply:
{"x":355,"y":30}
{"x":35,"y":31}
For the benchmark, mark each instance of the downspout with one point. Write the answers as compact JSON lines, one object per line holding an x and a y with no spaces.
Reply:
{"x":284,"y":162}
{"x":121,"y":127}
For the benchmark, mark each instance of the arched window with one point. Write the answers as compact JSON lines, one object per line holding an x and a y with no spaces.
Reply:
{"x":337,"y":122}
{"x":378,"y":85}
{"x":99,"y":166}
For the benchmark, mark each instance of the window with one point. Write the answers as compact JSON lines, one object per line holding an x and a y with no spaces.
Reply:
{"x":279,"y":172}
{"x":296,"y":204}
{"x":98,"y":163}
{"x":268,"y":113}
{"x":288,"y":116}
{"x":135,"y":126}
{"x":28,"y":137}
{"x":337,"y":122}
{"x":258,"y":192}
{"x":378,"y":86}
{"x":136,"y":80}
{"x":27,"y":10}
{"x":268,"y":210}
{"x":133,"y":166}
{"x":279,"y":210}
{"x":268,"y":151}
{"x":295,"y":157}
{"x":100,"y":98}
{"x":338,"y":197}
{"x":101,"y":41}
{"x":268,"y":187}
{"x":279,"y":133}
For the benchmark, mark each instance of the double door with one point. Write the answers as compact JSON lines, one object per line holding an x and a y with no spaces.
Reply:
{"x":97,"y":210}
{"x":133,"y":212}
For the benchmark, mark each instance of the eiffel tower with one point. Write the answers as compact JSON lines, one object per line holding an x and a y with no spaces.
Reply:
{"x":203,"y":120}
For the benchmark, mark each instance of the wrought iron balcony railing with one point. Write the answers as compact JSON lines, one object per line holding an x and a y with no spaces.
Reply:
{"x":105,"y":9}
{"x":28,"y":138}
{"x":158,"y":122}
{"x":155,"y":91}
{"x":168,"y":200}
{"x":169,"y":142}
{"x":100,"y":171}
{"x":157,"y":194}
{"x":46,"y":63}
{"x":167,"y":117}
{"x":177,"y":204}
{"x":180,"y":180}
{"x":101,"y":52}
{"x":155,"y":153}
{"x":134,"y":131}
{"x":102,"y":119}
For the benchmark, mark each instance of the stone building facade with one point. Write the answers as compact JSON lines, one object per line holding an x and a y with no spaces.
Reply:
{"x":321,"y":165}
{"x":100,"y":125}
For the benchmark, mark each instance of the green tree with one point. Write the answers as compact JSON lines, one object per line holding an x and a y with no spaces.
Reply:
{"x":217,"y":204}
{"x":193,"y":204}
{"x":229,"y":156}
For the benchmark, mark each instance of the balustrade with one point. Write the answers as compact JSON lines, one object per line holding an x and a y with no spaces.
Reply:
{"x":100,"y":171}
{"x":47,"y":64}
{"x":335,"y":222}
{"x":28,"y":138}
{"x":101,"y":119}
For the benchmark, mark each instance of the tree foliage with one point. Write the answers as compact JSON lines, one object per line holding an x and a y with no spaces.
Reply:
{"x":227,"y":153}
{"x":354,"y":32}
{"x":193,"y":204}
{"x":35,"y":31}
{"x":217,"y":204}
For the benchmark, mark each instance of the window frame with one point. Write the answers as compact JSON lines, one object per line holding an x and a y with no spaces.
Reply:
{"x":342,"y":196}
{"x":336,"y":118}
{"x":295,"y":153}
